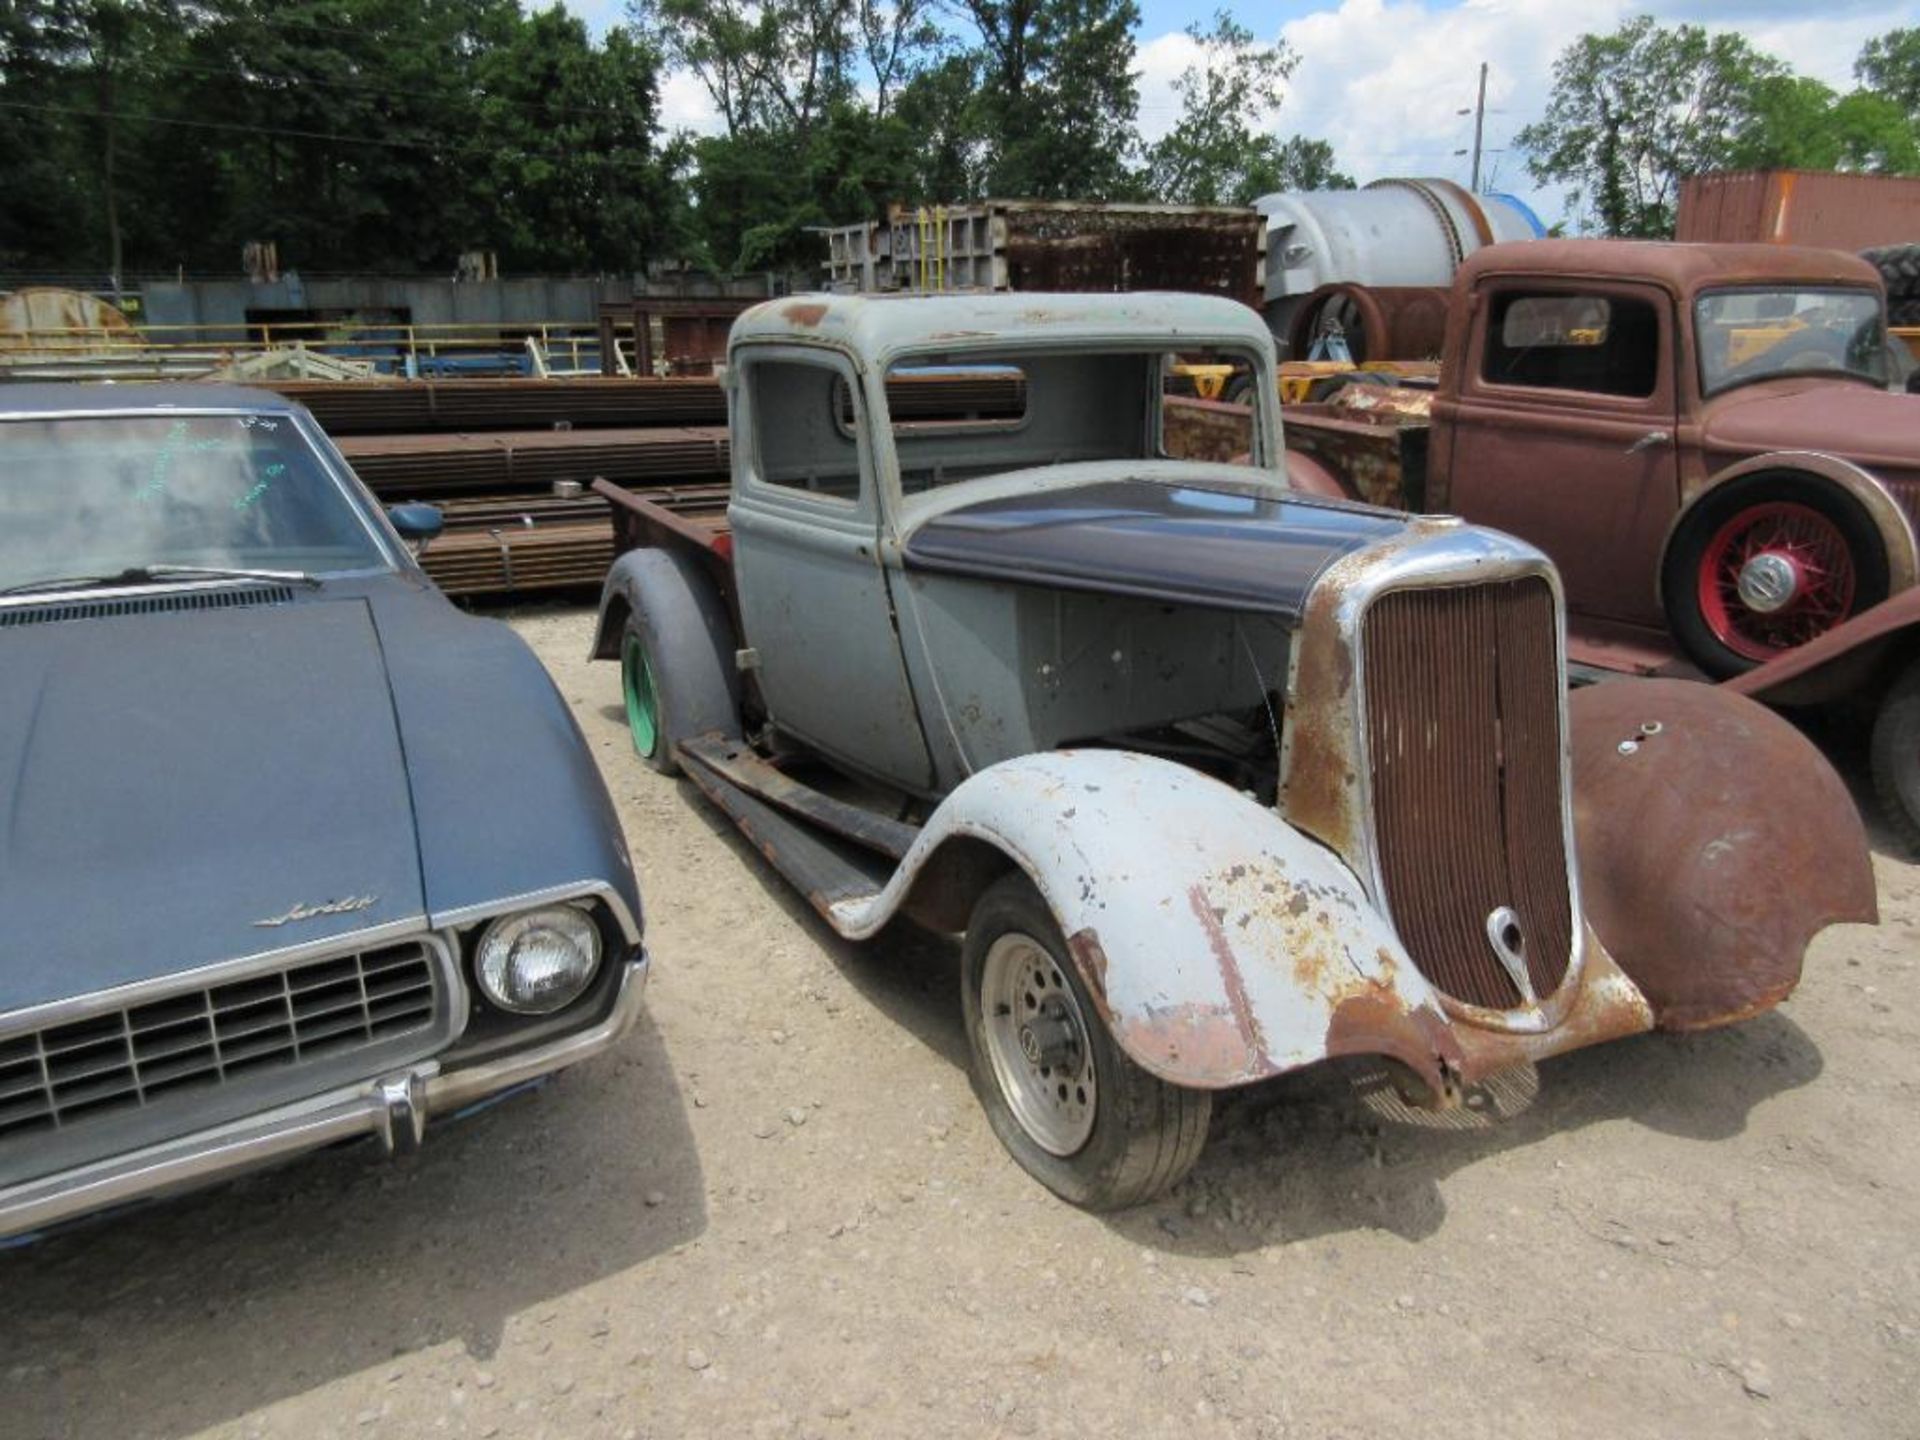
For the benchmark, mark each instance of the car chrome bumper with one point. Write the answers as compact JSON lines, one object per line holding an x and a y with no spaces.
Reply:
{"x":394,"y":1108}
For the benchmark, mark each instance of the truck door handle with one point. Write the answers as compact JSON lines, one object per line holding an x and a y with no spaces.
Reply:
{"x":1649,"y":440}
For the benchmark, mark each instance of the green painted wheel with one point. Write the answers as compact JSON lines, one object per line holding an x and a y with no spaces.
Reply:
{"x":643,"y":701}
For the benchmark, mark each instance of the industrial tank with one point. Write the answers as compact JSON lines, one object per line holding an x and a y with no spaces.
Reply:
{"x":1405,"y":236}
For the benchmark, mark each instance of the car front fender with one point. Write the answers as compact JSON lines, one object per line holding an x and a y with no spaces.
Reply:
{"x":1220,"y":945}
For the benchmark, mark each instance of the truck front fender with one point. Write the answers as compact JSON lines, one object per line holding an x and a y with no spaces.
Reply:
{"x":1220,"y":945}
{"x":1715,"y":842}
{"x":1896,"y":534}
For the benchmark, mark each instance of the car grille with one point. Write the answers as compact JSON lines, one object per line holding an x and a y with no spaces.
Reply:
{"x":263,"y":1025}
{"x":1463,"y":689}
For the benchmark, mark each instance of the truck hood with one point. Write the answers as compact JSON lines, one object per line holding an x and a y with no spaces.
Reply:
{"x":1207,"y":541}
{"x":172,"y":781}
{"x":1876,"y":429}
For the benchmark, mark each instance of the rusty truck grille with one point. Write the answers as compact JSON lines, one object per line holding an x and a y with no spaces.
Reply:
{"x":1463,"y":726}
{"x":213,"y":1038}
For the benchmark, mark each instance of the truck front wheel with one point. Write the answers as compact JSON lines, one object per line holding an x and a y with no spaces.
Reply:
{"x":1078,"y":1115}
{"x":1767,"y":563}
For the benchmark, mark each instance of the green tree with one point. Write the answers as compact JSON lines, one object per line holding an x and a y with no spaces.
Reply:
{"x":1797,"y":123}
{"x":1632,"y":112}
{"x":1218,"y":152}
{"x":1056,"y":106}
{"x":1297,"y":163}
{"x":1890,"y":66}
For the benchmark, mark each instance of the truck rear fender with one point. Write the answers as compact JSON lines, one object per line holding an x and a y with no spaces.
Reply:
{"x":1715,"y":842}
{"x":688,"y":629}
{"x":1220,"y":945}
{"x":1896,"y":533}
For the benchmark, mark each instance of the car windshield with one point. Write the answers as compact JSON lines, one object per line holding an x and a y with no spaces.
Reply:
{"x":1751,"y":334}
{"x":99,"y":495}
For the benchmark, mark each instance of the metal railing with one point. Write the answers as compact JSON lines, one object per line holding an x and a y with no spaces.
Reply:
{"x":553,"y":348}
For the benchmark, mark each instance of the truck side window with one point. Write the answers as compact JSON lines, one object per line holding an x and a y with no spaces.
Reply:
{"x":1607,"y":345}
{"x":798,"y":440}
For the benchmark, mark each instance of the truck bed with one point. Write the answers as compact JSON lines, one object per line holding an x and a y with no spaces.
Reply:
{"x":1374,"y":439}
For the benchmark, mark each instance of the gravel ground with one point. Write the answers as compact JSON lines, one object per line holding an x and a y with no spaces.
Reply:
{"x":776,"y":1210}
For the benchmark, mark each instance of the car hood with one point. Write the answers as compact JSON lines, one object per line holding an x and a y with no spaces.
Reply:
{"x":1873,"y":428}
{"x":1195,"y":539}
{"x":175,"y":782}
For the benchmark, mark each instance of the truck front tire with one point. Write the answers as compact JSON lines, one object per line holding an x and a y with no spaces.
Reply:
{"x":1078,"y":1115}
{"x":1806,"y":538}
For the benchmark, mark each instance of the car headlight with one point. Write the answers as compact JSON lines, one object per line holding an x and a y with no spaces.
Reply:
{"x":538,"y":961}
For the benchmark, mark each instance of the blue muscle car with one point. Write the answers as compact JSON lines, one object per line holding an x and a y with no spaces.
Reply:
{"x":291,"y":850}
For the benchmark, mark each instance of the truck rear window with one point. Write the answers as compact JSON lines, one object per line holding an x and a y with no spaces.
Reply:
{"x":1606,"y":345}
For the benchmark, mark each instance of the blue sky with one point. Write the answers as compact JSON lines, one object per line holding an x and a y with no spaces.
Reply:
{"x":1383,"y":80}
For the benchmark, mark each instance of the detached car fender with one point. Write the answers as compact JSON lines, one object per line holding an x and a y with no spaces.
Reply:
{"x":1715,"y":842}
{"x":1221,"y":945}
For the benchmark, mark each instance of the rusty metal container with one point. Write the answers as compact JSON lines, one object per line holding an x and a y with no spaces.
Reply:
{"x":1800,"y":207}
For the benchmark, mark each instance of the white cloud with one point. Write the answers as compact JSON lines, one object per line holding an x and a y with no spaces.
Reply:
{"x":685,"y":104}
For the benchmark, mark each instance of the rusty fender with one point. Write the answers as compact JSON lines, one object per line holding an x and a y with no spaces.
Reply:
{"x":1220,"y":945}
{"x":1715,"y":842}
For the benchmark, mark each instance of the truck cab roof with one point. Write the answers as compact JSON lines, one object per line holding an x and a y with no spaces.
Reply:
{"x":877,"y":325}
{"x":1682,"y":268}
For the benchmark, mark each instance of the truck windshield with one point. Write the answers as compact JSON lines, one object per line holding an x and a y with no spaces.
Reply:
{"x":1749,"y":334}
{"x":97,"y":495}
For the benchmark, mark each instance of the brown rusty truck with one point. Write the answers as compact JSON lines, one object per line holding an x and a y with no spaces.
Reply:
{"x":1216,"y":779}
{"x":1701,"y":436}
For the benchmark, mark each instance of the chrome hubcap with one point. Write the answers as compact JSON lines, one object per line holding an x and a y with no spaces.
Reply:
{"x":1769,"y":582}
{"x":1037,"y":1044}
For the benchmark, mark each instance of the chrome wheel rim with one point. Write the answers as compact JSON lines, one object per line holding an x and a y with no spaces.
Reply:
{"x":1037,"y":1044}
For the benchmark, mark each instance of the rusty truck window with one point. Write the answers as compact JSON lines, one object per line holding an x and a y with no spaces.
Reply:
{"x":799,"y":442}
{"x":1607,"y":345}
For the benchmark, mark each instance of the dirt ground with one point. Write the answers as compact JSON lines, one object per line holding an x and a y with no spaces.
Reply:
{"x":776,"y":1211}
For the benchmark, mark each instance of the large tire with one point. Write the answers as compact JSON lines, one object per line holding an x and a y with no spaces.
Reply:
{"x":1899,"y":267}
{"x":1833,"y":552}
{"x":1896,"y":756}
{"x":677,"y":676}
{"x":1065,"y":1100}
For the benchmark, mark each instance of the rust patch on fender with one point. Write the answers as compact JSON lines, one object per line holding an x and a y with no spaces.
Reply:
{"x":1374,"y":1022}
{"x":1192,"y":1044}
{"x":1087,"y":952}
{"x":1230,"y":977}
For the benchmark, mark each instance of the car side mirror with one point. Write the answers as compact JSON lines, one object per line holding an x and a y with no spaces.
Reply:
{"x":416,"y":524}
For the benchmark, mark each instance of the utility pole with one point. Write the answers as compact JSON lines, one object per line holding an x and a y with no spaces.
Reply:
{"x":1479,"y":126}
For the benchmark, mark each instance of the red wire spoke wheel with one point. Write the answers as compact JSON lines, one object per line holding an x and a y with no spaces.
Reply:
{"x":1775,"y":576}
{"x":1765,"y":563}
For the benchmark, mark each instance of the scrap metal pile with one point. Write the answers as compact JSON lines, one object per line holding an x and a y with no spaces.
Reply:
{"x":489,"y":453}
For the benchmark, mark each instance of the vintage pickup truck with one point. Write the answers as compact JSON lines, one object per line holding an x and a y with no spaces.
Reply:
{"x":1700,"y":436}
{"x":1703,"y":439}
{"x":1217,"y":779}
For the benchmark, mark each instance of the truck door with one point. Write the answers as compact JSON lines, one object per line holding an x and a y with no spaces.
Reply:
{"x":813,"y":597}
{"x":1563,"y":434}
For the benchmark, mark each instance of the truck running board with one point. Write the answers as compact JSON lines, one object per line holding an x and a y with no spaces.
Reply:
{"x":825,"y":870}
{"x":740,"y":767}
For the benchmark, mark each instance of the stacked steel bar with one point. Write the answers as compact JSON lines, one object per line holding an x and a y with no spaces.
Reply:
{"x":392,"y":407}
{"x":426,"y":467}
{"x":489,"y":452}
{"x":521,"y":543}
